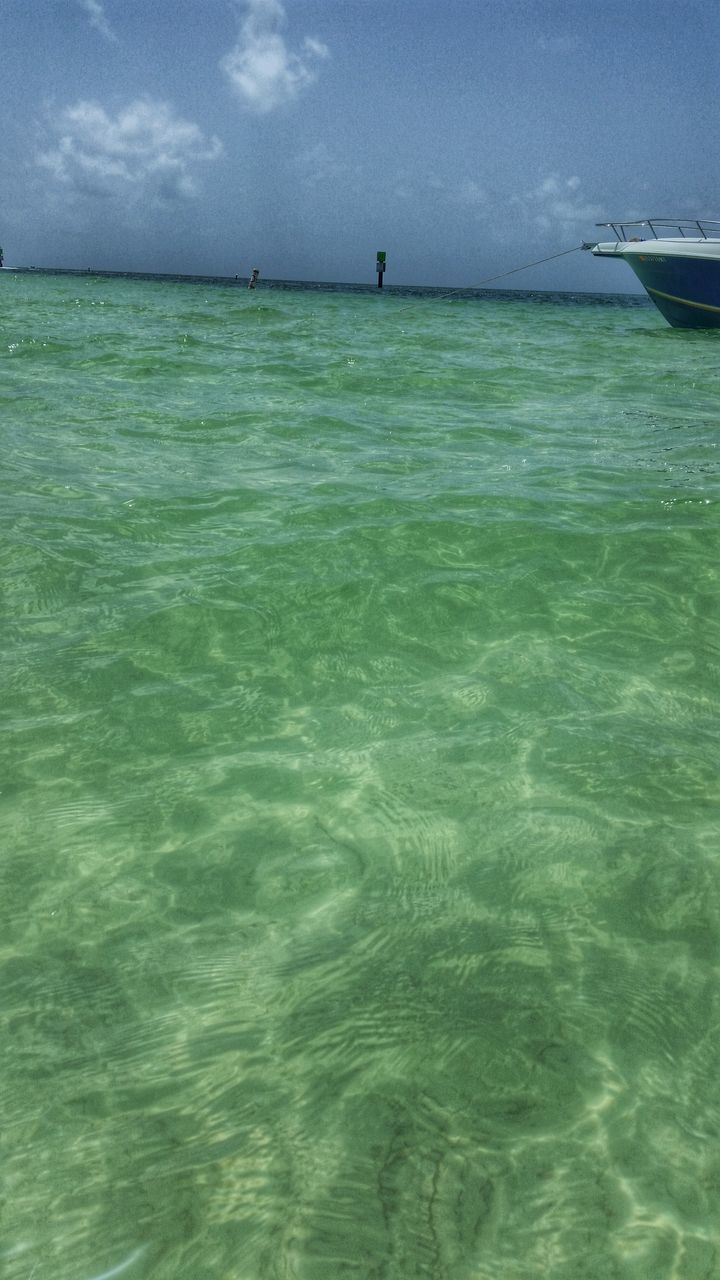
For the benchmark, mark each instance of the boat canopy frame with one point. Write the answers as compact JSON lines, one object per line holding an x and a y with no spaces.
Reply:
{"x":701,"y":228}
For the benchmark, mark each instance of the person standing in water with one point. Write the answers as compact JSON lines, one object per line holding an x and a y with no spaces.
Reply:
{"x":254,"y":278}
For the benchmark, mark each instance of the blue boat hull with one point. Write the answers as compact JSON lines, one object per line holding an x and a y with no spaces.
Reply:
{"x":686,"y":290}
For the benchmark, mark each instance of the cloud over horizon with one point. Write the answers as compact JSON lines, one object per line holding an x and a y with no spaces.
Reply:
{"x":145,"y":151}
{"x":96,"y":14}
{"x":557,"y":205}
{"x":261,"y":69}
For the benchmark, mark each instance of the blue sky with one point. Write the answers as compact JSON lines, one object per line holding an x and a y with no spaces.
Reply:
{"x":464,"y":137}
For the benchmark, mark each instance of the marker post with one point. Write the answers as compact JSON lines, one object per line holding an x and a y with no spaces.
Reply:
{"x":380,"y":267}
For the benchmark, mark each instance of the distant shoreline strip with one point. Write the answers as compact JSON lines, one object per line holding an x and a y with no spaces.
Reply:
{"x":328,"y":286}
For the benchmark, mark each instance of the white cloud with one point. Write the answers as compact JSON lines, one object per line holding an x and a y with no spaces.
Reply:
{"x":470,"y":195}
{"x":143,"y":152}
{"x":557,"y":204}
{"x":96,"y":14}
{"x":261,"y":69}
{"x":560,"y":44}
{"x":320,"y":167}
{"x":419,"y":185}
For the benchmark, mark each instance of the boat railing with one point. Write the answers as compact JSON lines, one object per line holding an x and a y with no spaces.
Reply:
{"x":693,"y":228}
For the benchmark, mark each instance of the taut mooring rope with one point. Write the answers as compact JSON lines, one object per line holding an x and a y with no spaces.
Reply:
{"x":513,"y":270}
{"x":537,"y":263}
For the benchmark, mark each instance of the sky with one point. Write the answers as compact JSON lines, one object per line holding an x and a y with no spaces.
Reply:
{"x":463,"y":137}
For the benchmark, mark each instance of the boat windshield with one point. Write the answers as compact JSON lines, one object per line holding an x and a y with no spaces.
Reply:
{"x":694,"y":228}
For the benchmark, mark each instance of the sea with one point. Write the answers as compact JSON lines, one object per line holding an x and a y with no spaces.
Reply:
{"x":359,"y":761}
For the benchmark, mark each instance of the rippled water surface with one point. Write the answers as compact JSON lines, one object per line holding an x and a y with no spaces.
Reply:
{"x":359,"y":870}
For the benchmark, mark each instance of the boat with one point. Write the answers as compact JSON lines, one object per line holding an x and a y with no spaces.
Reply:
{"x":679,"y":272}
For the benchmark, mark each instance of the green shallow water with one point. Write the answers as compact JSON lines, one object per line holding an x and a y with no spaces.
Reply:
{"x":359,"y":765}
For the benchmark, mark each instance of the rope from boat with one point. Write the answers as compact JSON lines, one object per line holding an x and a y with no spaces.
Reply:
{"x":513,"y":270}
{"x":538,"y":262}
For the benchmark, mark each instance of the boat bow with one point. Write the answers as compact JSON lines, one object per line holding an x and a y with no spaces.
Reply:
{"x":680,"y":272}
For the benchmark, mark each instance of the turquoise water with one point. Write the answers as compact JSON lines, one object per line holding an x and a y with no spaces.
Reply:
{"x":359,"y":889}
